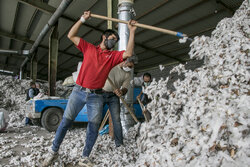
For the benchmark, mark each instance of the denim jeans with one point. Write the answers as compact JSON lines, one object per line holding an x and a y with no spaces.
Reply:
{"x":113,"y":102}
{"x":77,"y":100}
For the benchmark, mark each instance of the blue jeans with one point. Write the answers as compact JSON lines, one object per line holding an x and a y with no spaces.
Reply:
{"x":113,"y":102}
{"x":77,"y":100}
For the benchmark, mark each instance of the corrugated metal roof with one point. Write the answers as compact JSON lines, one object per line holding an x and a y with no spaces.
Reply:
{"x":21,"y":23}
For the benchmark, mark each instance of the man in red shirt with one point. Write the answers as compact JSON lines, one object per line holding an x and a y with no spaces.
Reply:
{"x":96,"y":65}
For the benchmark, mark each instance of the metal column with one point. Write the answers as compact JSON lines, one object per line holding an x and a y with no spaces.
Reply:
{"x":33,"y":67}
{"x":109,"y":13}
{"x":125,"y":12}
{"x":24,"y":72}
{"x":53,"y":54}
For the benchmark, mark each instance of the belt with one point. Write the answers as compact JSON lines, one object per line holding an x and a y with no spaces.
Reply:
{"x":108,"y":94}
{"x":96,"y":91}
{"x":112,"y":93}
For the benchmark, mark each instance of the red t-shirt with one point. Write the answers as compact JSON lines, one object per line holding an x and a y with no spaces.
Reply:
{"x":96,"y":65}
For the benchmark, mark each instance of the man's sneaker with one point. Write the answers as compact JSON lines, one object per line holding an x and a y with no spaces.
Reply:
{"x":50,"y":158}
{"x":85,"y":162}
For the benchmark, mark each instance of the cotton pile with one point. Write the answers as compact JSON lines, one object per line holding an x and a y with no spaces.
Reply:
{"x":13,"y":97}
{"x":28,"y":146}
{"x":206,"y":121}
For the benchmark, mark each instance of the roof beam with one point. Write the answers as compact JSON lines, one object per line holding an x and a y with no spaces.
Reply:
{"x":39,"y":5}
{"x":26,"y":40}
{"x":206,"y":30}
{"x":187,"y":24}
{"x":161,"y":4}
{"x":160,"y":53}
{"x":174,"y":15}
{"x":225,"y":6}
{"x":191,"y":35}
{"x":32,"y":25}
{"x":12,"y":31}
{"x":49,"y":9}
{"x":16,"y":37}
{"x":176,"y":40}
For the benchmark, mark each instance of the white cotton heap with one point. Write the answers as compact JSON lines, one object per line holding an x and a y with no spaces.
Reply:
{"x":13,"y":96}
{"x":206,"y":121}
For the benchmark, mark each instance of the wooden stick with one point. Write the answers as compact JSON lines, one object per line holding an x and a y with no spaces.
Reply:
{"x":111,"y":127}
{"x":143,"y":108}
{"x":166,"y":31}
{"x":124,"y":102}
{"x":104,"y":119}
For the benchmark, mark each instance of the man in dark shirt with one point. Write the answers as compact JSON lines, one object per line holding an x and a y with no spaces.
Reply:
{"x":32,"y":91}
{"x":30,"y":94}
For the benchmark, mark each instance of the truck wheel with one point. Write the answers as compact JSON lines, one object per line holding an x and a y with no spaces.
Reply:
{"x":51,"y":119}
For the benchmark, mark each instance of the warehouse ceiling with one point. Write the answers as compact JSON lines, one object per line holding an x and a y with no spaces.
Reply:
{"x":21,"y":21}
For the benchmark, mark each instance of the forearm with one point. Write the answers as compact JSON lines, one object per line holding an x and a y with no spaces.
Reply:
{"x":130,"y":46}
{"x":73,"y":31}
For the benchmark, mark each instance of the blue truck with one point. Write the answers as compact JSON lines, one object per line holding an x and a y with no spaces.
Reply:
{"x":49,"y":112}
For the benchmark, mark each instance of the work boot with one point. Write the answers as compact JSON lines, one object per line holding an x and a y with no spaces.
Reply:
{"x":85,"y":162}
{"x":50,"y":158}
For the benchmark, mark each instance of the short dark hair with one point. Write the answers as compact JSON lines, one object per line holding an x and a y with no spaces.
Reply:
{"x":109,"y":32}
{"x":147,"y":75}
{"x":32,"y":83}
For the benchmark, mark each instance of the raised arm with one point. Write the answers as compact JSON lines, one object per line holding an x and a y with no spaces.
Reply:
{"x":130,"y":47}
{"x":72,"y":35}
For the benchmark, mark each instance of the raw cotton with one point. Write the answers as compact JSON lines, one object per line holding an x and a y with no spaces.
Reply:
{"x":206,"y":121}
{"x":13,"y":96}
{"x":28,"y":146}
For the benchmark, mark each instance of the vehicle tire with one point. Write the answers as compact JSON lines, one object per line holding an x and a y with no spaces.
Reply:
{"x":51,"y":119}
{"x":36,"y":122}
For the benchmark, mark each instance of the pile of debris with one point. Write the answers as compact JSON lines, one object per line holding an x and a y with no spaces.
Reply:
{"x":12,"y":99}
{"x":13,"y":96}
{"x":206,"y":121}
